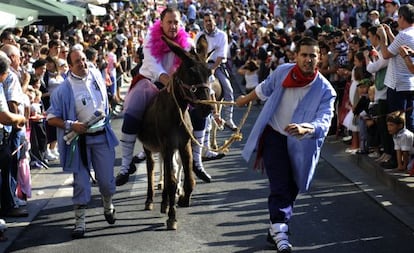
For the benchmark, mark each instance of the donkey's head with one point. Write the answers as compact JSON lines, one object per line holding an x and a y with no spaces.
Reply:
{"x":191,"y":79}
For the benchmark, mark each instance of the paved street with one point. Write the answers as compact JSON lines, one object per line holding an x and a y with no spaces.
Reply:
{"x":227,"y":215}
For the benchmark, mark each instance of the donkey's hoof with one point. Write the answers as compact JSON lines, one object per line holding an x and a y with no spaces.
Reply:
{"x":183,"y":201}
{"x":164,"y":208}
{"x":149,"y":206}
{"x":171,"y":224}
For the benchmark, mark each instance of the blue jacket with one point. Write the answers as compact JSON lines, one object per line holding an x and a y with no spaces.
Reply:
{"x":62,"y":105}
{"x":315,"y":108}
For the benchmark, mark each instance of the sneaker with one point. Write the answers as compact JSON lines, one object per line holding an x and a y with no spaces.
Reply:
{"x":374,"y":154}
{"x":50,"y":157}
{"x":278,"y":236}
{"x":351,"y":151}
{"x":380,"y":157}
{"x":55,"y":152}
{"x":385,"y":158}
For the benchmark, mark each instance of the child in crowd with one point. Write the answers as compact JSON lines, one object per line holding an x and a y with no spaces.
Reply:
{"x":403,"y":140}
{"x":358,"y":73}
{"x":341,"y":49}
{"x":364,"y":111}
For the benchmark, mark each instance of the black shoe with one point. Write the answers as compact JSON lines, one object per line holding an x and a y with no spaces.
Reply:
{"x":110,"y":217}
{"x":132,"y":168}
{"x":136,"y":159}
{"x":121,"y":179}
{"x":78,"y":233}
{"x":16,"y":212}
{"x":216,"y":157}
{"x":201,"y":174}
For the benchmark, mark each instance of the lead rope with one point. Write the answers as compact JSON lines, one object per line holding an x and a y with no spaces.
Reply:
{"x":236,"y":136}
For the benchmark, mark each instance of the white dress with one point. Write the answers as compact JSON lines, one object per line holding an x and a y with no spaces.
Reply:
{"x":348,"y":121}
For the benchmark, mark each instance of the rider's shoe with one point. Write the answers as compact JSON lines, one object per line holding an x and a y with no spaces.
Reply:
{"x":201,"y":173}
{"x":230,"y":124}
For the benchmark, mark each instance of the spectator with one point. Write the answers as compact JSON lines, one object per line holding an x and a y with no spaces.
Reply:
{"x":9,"y":206}
{"x":377,"y":66}
{"x":403,"y":140}
{"x":399,"y":78}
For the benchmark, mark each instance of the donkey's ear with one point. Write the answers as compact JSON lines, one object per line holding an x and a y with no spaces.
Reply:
{"x":177,"y":49}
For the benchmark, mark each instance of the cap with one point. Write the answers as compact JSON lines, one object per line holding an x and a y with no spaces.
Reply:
{"x":396,"y":2}
{"x":375,"y":12}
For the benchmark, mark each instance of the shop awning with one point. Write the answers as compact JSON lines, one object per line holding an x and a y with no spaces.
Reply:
{"x":7,"y":20}
{"x":48,"y":14}
{"x":91,"y":9}
{"x":22,"y":16}
{"x":77,"y":12}
{"x":97,"y":2}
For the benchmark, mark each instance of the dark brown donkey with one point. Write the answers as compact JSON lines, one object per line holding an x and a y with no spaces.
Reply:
{"x":167,"y":127}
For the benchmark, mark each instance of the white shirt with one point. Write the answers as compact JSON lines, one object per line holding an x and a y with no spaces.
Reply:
{"x":404,"y":79}
{"x":88,"y":99}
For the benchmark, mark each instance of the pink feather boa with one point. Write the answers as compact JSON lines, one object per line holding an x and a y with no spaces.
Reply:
{"x":159,"y":48}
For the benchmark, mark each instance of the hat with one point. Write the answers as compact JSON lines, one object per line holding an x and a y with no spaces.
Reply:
{"x":375,"y":12}
{"x":395,"y":2}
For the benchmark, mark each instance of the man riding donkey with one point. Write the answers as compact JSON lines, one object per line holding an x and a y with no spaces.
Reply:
{"x":158,"y":65}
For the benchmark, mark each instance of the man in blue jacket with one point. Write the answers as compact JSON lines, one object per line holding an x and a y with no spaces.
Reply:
{"x":289,"y":132}
{"x":73,"y":104}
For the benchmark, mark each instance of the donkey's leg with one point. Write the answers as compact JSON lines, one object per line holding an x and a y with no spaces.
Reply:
{"x":161,"y":169}
{"x":171,"y":188}
{"x":150,"y":178}
{"x":189,"y":182}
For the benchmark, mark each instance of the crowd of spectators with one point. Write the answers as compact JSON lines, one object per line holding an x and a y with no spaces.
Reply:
{"x":353,"y":37}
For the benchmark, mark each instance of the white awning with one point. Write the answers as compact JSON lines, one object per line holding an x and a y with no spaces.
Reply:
{"x":7,"y":20}
{"x":96,"y":10}
{"x":98,"y":2}
{"x":93,"y":9}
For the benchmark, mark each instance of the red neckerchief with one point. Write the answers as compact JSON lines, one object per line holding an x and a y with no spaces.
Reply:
{"x":296,"y":79}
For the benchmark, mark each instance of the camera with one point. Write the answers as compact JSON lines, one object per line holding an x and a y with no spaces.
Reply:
{"x":392,"y":24}
{"x":368,"y":48}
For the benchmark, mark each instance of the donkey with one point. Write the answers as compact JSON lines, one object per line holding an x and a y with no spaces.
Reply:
{"x":167,"y":128}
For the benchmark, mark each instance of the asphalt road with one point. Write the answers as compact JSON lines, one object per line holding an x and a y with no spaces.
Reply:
{"x":227,"y":215}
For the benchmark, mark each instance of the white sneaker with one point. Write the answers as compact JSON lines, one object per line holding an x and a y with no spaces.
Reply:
{"x":278,"y":236}
{"x":50,"y":157}
{"x":55,"y":152}
{"x":374,"y":155}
